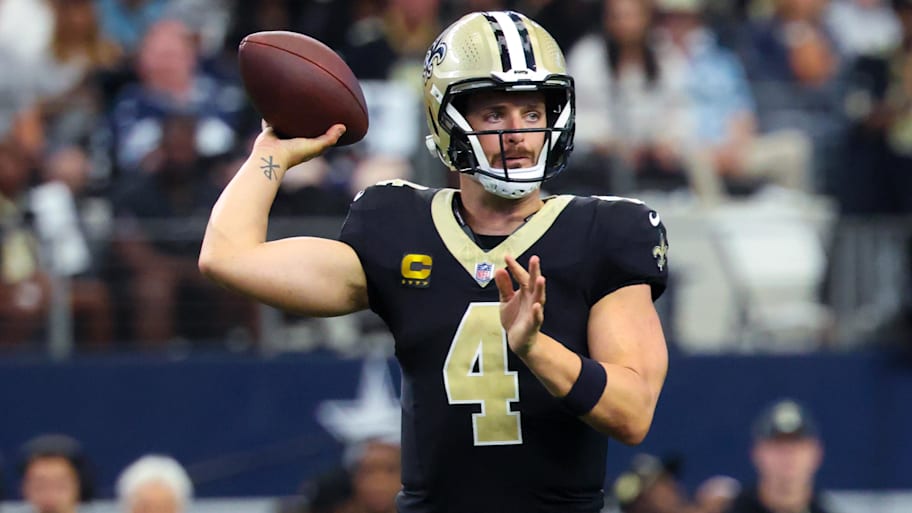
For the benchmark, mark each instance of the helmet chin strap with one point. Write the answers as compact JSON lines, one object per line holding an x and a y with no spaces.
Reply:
{"x":508,"y":190}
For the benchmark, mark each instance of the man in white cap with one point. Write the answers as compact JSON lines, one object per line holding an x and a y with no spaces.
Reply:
{"x":154,"y":484}
{"x":787,"y":453}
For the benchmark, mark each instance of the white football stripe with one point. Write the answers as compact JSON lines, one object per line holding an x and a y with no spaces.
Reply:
{"x":514,"y":41}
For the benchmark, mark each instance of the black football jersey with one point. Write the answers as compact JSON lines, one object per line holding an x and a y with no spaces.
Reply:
{"x":480,"y":433}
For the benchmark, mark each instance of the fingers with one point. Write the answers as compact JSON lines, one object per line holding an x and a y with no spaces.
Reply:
{"x":330,"y":137}
{"x":538,"y":291}
{"x":538,"y":314}
{"x":530,"y":282}
{"x":525,"y":279}
{"x":333,"y":134}
{"x":504,"y":285}
{"x":305,"y":148}
{"x":519,"y":274}
{"x":534,"y":270}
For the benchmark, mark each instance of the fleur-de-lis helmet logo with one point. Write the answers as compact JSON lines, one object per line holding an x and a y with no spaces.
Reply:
{"x":434,"y":56}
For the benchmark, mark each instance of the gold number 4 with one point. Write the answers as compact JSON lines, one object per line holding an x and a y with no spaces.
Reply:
{"x":476,"y":372}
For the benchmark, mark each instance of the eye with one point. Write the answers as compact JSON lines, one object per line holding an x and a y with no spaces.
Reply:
{"x":493,"y":116}
{"x":534,"y":116}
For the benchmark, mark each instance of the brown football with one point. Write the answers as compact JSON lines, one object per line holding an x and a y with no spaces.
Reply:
{"x":301,"y":86}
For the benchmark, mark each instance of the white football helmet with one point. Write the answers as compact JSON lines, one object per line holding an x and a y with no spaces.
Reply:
{"x":503,"y":51}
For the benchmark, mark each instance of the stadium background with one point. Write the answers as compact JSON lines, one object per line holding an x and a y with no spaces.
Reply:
{"x":778,"y":289}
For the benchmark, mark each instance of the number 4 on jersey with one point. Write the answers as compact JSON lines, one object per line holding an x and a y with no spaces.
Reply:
{"x":476,"y":372}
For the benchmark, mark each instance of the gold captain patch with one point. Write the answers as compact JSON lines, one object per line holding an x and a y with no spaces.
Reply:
{"x":416,"y":270}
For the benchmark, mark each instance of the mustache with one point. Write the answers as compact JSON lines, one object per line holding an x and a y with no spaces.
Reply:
{"x":516,"y":154}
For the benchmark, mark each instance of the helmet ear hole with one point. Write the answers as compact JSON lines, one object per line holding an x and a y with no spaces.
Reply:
{"x":430,"y":145}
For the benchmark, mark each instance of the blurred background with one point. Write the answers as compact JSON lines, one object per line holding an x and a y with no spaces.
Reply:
{"x":773,"y":136}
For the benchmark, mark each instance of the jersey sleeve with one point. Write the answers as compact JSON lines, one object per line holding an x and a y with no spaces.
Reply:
{"x":357,"y":222}
{"x":374,"y":205}
{"x":631,"y":248}
{"x":359,"y":231}
{"x":375,"y":220}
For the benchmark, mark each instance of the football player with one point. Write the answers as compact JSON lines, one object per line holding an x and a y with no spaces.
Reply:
{"x":508,"y":393}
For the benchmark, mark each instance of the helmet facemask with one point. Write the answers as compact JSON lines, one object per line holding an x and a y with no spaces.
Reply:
{"x":467,"y":156}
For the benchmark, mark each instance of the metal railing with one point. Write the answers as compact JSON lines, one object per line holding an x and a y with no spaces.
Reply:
{"x":866,"y":288}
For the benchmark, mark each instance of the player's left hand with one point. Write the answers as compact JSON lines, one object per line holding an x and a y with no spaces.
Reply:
{"x":522,"y":311}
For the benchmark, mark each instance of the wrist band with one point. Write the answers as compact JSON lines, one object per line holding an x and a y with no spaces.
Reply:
{"x":588,"y":388}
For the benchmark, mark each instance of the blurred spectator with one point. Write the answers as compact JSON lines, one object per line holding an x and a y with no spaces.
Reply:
{"x":876,"y":178}
{"x":74,"y":55}
{"x":170,"y":83}
{"x":376,"y":473}
{"x":154,"y":484}
{"x":722,"y":140}
{"x":794,"y":67}
{"x":628,"y":116}
{"x":328,"y":20}
{"x":456,"y":9}
{"x":863,"y":27}
{"x":370,"y":428}
{"x":365,"y":46}
{"x":252,"y":17}
{"x":90,"y":297}
{"x":126,"y":21}
{"x":24,"y":286}
{"x":307,"y":190}
{"x":367,"y":482}
{"x":650,"y":486}
{"x":55,"y":474}
{"x":15,"y":15}
{"x":20,"y":50}
{"x":209,"y":20}
{"x":716,"y":494}
{"x":160,"y":219}
{"x":20,"y":117}
{"x":330,"y":492}
{"x":388,"y":40}
{"x":566,"y":20}
{"x":324,"y":20}
{"x":787,"y":454}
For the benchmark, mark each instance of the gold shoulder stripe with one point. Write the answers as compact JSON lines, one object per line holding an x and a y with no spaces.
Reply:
{"x":464,"y":249}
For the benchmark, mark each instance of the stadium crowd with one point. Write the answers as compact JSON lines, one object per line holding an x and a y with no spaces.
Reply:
{"x":57,"y":477}
{"x":122,"y":120}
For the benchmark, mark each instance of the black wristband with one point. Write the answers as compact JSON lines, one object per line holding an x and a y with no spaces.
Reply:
{"x":588,"y":388}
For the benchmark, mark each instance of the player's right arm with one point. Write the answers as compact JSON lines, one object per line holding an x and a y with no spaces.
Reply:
{"x":306,"y":275}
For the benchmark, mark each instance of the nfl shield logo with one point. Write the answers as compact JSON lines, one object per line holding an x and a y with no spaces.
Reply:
{"x":484,"y":273}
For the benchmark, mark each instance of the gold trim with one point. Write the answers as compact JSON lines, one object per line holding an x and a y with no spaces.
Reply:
{"x":464,"y":249}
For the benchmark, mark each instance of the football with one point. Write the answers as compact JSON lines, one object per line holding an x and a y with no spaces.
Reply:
{"x":300,"y":86}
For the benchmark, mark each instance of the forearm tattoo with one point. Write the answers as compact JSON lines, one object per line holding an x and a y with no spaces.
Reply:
{"x":269,"y":169}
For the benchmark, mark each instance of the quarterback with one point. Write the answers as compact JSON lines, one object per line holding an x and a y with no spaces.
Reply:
{"x":524,"y":325}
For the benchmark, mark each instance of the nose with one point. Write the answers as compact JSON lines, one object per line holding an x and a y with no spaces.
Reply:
{"x":515,"y":122}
